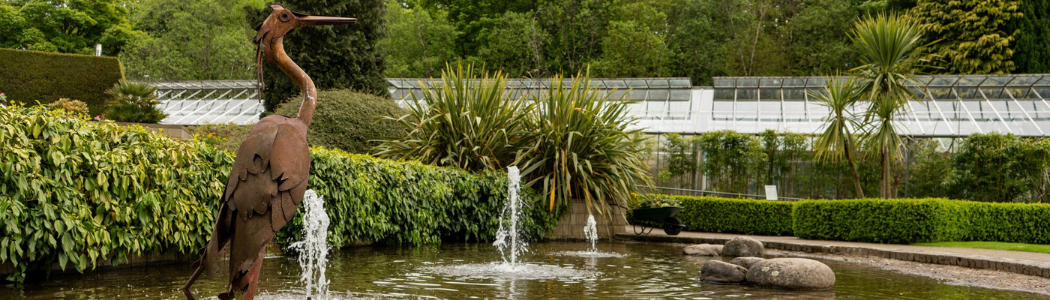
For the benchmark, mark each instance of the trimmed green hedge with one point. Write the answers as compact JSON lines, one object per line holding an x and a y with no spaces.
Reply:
{"x":712,"y":214}
{"x":29,"y":76}
{"x":898,"y":221}
{"x":77,"y":192}
{"x":902,"y":221}
{"x":349,"y":120}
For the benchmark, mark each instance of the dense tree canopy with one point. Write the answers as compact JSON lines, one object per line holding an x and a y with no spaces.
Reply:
{"x":972,"y":35}
{"x":68,"y":26}
{"x":1032,"y":50}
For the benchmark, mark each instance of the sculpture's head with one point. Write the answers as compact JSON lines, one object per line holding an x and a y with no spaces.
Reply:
{"x":281,"y":21}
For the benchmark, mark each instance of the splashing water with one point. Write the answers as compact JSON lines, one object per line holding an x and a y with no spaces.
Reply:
{"x":591,"y":232}
{"x":313,"y":249}
{"x":508,"y":239}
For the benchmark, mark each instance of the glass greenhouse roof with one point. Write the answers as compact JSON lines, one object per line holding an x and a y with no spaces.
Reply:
{"x":948,"y":105}
{"x":209,"y":102}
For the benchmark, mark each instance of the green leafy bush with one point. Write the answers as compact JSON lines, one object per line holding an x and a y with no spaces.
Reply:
{"x":999,"y":168}
{"x":713,"y":214}
{"x":902,"y":221}
{"x":1006,"y":222}
{"x":226,"y":136}
{"x":28,"y":76}
{"x":733,"y":161}
{"x":133,"y":102}
{"x":348,"y":120}
{"x":371,"y":199}
{"x":77,"y":192}
{"x":71,"y":106}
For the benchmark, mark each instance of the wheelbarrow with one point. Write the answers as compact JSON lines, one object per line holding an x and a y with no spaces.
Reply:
{"x":665,"y":216}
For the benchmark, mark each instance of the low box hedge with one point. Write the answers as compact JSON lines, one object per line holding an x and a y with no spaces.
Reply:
{"x":30,"y":76}
{"x":898,"y":221}
{"x":78,"y":192}
{"x":745,"y":216}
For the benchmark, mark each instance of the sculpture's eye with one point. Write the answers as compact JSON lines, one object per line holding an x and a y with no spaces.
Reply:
{"x":284,"y":17}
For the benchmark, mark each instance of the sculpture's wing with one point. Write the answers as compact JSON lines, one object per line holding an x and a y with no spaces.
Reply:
{"x":276,"y":148}
{"x":291,"y":158}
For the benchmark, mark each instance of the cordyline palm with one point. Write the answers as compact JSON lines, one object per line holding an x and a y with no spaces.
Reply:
{"x":882,"y":137}
{"x":582,"y":148}
{"x":462,"y":121}
{"x":890,"y":47}
{"x":837,"y":140}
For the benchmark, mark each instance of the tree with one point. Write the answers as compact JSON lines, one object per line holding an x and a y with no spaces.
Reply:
{"x":192,"y":40}
{"x":836,"y":140}
{"x":419,"y":42}
{"x":815,"y":37}
{"x":514,"y":45}
{"x":1032,"y":50}
{"x":694,"y":40}
{"x":890,"y":46}
{"x":336,"y":57}
{"x":972,"y":34}
{"x":632,"y":50}
{"x":577,"y":28}
{"x":67,"y":26}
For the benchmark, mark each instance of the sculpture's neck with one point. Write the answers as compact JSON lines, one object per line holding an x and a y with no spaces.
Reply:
{"x":306,"y":86}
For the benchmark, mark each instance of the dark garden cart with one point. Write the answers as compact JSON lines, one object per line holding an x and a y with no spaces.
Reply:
{"x":650,"y":218}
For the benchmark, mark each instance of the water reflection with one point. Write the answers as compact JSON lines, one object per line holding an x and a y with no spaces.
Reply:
{"x":646,"y":271}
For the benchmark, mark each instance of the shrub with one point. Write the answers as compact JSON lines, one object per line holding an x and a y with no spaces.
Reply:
{"x":902,"y":221}
{"x":745,"y":216}
{"x":348,"y":120}
{"x":463,"y":121}
{"x":71,"y":106}
{"x":29,"y":76}
{"x":581,"y":147}
{"x":999,"y":168}
{"x":1006,"y":222}
{"x":133,"y":102}
{"x":227,"y":136}
{"x":77,"y":192}
{"x":733,"y":161}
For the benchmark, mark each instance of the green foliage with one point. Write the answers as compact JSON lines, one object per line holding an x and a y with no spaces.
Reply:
{"x":68,"y":26}
{"x":580,"y":147}
{"x":733,"y":161}
{"x":922,"y":220}
{"x":133,"y":102}
{"x":902,"y":221}
{"x":191,"y":40}
{"x":972,"y":35}
{"x":30,"y":76}
{"x":463,"y":121}
{"x":1032,"y":49}
{"x":744,"y":216}
{"x":514,"y":44}
{"x":929,"y":169}
{"x":379,"y":200}
{"x":77,"y":192}
{"x":336,"y":57}
{"x":351,"y":121}
{"x":71,"y":106}
{"x":418,"y":43}
{"x":227,"y":136}
{"x":642,"y":27}
{"x":80,"y":193}
{"x":682,"y":158}
{"x":999,"y":168}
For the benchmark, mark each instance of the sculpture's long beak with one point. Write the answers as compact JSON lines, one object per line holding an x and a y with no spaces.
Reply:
{"x":320,"y":20}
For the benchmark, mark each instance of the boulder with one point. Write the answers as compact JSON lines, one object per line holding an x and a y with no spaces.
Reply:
{"x":743,"y":247}
{"x":792,"y":273}
{"x":722,"y":272}
{"x":703,"y":250}
{"x":746,"y":262}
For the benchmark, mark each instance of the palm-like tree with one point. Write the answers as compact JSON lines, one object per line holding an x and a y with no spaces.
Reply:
{"x":837,"y":140}
{"x":890,"y":47}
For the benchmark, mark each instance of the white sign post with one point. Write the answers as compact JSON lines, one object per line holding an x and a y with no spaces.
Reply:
{"x":771,"y":192}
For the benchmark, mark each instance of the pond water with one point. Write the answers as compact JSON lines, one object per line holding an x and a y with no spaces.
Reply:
{"x":463,"y":271}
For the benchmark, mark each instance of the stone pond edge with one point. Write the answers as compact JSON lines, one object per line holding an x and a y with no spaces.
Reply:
{"x":1024,"y":267}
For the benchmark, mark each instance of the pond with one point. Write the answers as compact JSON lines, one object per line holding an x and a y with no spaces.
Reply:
{"x":643,"y":271}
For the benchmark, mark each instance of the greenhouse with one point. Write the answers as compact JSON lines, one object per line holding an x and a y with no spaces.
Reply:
{"x":947,"y":105}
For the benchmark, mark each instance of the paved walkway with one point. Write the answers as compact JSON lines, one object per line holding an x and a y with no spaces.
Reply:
{"x":1028,"y":263}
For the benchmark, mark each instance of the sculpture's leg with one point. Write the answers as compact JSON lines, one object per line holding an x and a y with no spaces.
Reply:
{"x":186,"y":288}
{"x":253,"y":276}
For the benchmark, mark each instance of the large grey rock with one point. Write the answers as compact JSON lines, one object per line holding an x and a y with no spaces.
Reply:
{"x":792,"y":273}
{"x":703,"y":250}
{"x":743,"y":247}
{"x":722,"y":272}
{"x":746,"y":262}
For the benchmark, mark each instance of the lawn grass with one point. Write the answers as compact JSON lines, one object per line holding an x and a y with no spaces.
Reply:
{"x":992,"y":245}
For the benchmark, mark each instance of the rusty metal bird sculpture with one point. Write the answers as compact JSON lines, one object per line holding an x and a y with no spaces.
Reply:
{"x":270,"y":172}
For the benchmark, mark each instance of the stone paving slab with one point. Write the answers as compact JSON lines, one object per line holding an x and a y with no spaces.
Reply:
{"x":1027,"y":263}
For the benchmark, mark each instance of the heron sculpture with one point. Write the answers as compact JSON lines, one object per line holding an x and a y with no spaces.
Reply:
{"x":270,"y":172}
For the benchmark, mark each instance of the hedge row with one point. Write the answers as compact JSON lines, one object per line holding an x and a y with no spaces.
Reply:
{"x":899,"y":221}
{"x":78,"y":192}
{"x":30,"y":76}
{"x":711,"y":214}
